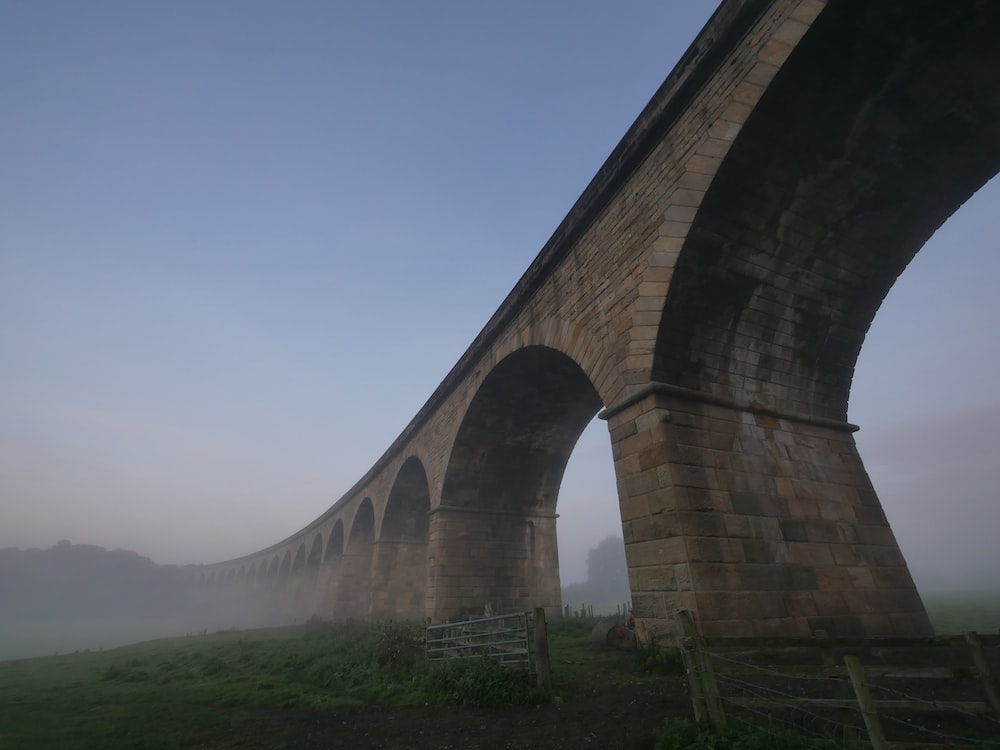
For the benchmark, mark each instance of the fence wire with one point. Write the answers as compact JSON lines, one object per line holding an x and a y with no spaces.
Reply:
{"x":790,"y":699}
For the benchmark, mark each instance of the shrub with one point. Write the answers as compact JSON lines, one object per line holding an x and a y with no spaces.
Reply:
{"x":480,"y":682}
{"x":650,"y":657}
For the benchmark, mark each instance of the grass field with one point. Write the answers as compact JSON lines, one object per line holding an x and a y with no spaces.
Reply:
{"x":954,"y":612}
{"x":166,"y":693}
{"x":172,"y":693}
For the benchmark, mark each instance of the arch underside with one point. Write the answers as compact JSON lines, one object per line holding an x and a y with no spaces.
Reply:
{"x":879,"y":125}
{"x":493,"y":534}
{"x":399,"y":577}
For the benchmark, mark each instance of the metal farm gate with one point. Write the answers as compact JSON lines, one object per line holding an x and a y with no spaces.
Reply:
{"x":505,"y":638}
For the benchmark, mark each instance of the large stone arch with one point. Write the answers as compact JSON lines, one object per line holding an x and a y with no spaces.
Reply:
{"x":399,"y":570}
{"x":493,"y":535}
{"x":880,"y":123}
{"x":354,"y":586}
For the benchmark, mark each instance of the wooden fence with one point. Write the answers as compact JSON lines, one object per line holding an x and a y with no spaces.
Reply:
{"x":894,"y":693}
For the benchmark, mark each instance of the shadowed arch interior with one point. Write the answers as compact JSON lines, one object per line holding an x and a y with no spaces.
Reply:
{"x":405,"y":516}
{"x":335,"y":544}
{"x":502,"y":483}
{"x":519,"y":431}
{"x":300,"y":557}
{"x":853,"y":157}
{"x":353,"y":595}
{"x":363,"y":529}
{"x":286,"y":565}
{"x":315,"y":552}
{"x":399,"y":575}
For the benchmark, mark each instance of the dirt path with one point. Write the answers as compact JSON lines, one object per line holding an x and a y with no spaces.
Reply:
{"x":611,"y":715}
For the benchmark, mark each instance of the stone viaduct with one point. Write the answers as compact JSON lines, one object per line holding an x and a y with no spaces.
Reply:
{"x":707,"y":296}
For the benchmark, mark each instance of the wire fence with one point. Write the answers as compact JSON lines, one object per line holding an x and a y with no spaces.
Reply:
{"x":884,"y":693}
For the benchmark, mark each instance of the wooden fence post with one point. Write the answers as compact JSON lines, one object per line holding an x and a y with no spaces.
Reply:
{"x":983,"y":667}
{"x":542,"y":666}
{"x":872,"y":722}
{"x":701,"y":677}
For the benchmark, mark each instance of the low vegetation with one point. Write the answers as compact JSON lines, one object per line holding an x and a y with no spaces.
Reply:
{"x":175,"y":693}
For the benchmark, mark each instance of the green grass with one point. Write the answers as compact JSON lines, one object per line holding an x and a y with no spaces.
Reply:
{"x":954,"y":612}
{"x":163,"y":694}
{"x":170,"y":689}
{"x":684,"y":735}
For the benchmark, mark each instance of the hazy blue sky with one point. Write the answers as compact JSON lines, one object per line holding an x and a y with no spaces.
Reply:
{"x":242,"y":242}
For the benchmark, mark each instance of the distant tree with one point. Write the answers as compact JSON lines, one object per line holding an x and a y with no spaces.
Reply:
{"x":607,"y":571}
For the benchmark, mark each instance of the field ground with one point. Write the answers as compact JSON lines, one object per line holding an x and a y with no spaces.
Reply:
{"x":322,"y":687}
{"x":297,"y":688}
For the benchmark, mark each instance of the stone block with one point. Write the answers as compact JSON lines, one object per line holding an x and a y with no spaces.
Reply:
{"x":701,"y":523}
{"x":656,"y":552}
{"x":714,"y":549}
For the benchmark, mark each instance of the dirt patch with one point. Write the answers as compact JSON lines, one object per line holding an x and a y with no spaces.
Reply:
{"x":614,"y":715}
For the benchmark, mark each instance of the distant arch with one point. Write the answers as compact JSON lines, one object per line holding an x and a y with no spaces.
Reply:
{"x":286,"y":566}
{"x":399,"y":575}
{"x":315,"y":551}
{"x":335,"y":544}
{"x":300,"y":558}
{"x":354,"y":589}
{"x":362,"y":529}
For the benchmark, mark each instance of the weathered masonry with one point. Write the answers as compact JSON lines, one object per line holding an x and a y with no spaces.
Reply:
{"x":708,"y":295}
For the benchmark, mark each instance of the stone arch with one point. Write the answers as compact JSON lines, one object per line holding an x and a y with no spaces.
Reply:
{"x":241,"y":575}
{"x":328,"y":579}
{"x":315,"y":551}
{"x":502,"y":482}
{"x":286,"y":566}
{"x":272,"y":571}
{"x":299,"y":561}
{"x":354,"y":588}
{"x":362,"y":529}
{"x":786,"y":261}
{"x":252,"y":573}
{"x":335,"y":543}
{"x":793,"y":250}
{"x":399,"y":577}
{"x":579,"y":344}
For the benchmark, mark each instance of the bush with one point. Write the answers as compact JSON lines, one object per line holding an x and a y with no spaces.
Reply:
{"x":658,"y":659}
{"x":480,"y":682}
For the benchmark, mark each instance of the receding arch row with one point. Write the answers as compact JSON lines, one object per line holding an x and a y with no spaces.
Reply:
{"x":533,"y":405}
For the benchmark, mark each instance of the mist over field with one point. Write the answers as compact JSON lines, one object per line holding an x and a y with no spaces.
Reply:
{"x":73,"y":597}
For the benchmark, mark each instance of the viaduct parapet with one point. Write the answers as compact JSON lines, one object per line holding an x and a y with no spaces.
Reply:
{"x":707,"y":296}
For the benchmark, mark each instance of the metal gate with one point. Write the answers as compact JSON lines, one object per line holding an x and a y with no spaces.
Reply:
{"x":505,"y":638}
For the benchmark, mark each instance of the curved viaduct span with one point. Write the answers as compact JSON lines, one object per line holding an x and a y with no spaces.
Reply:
{"x":708,"y":296}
